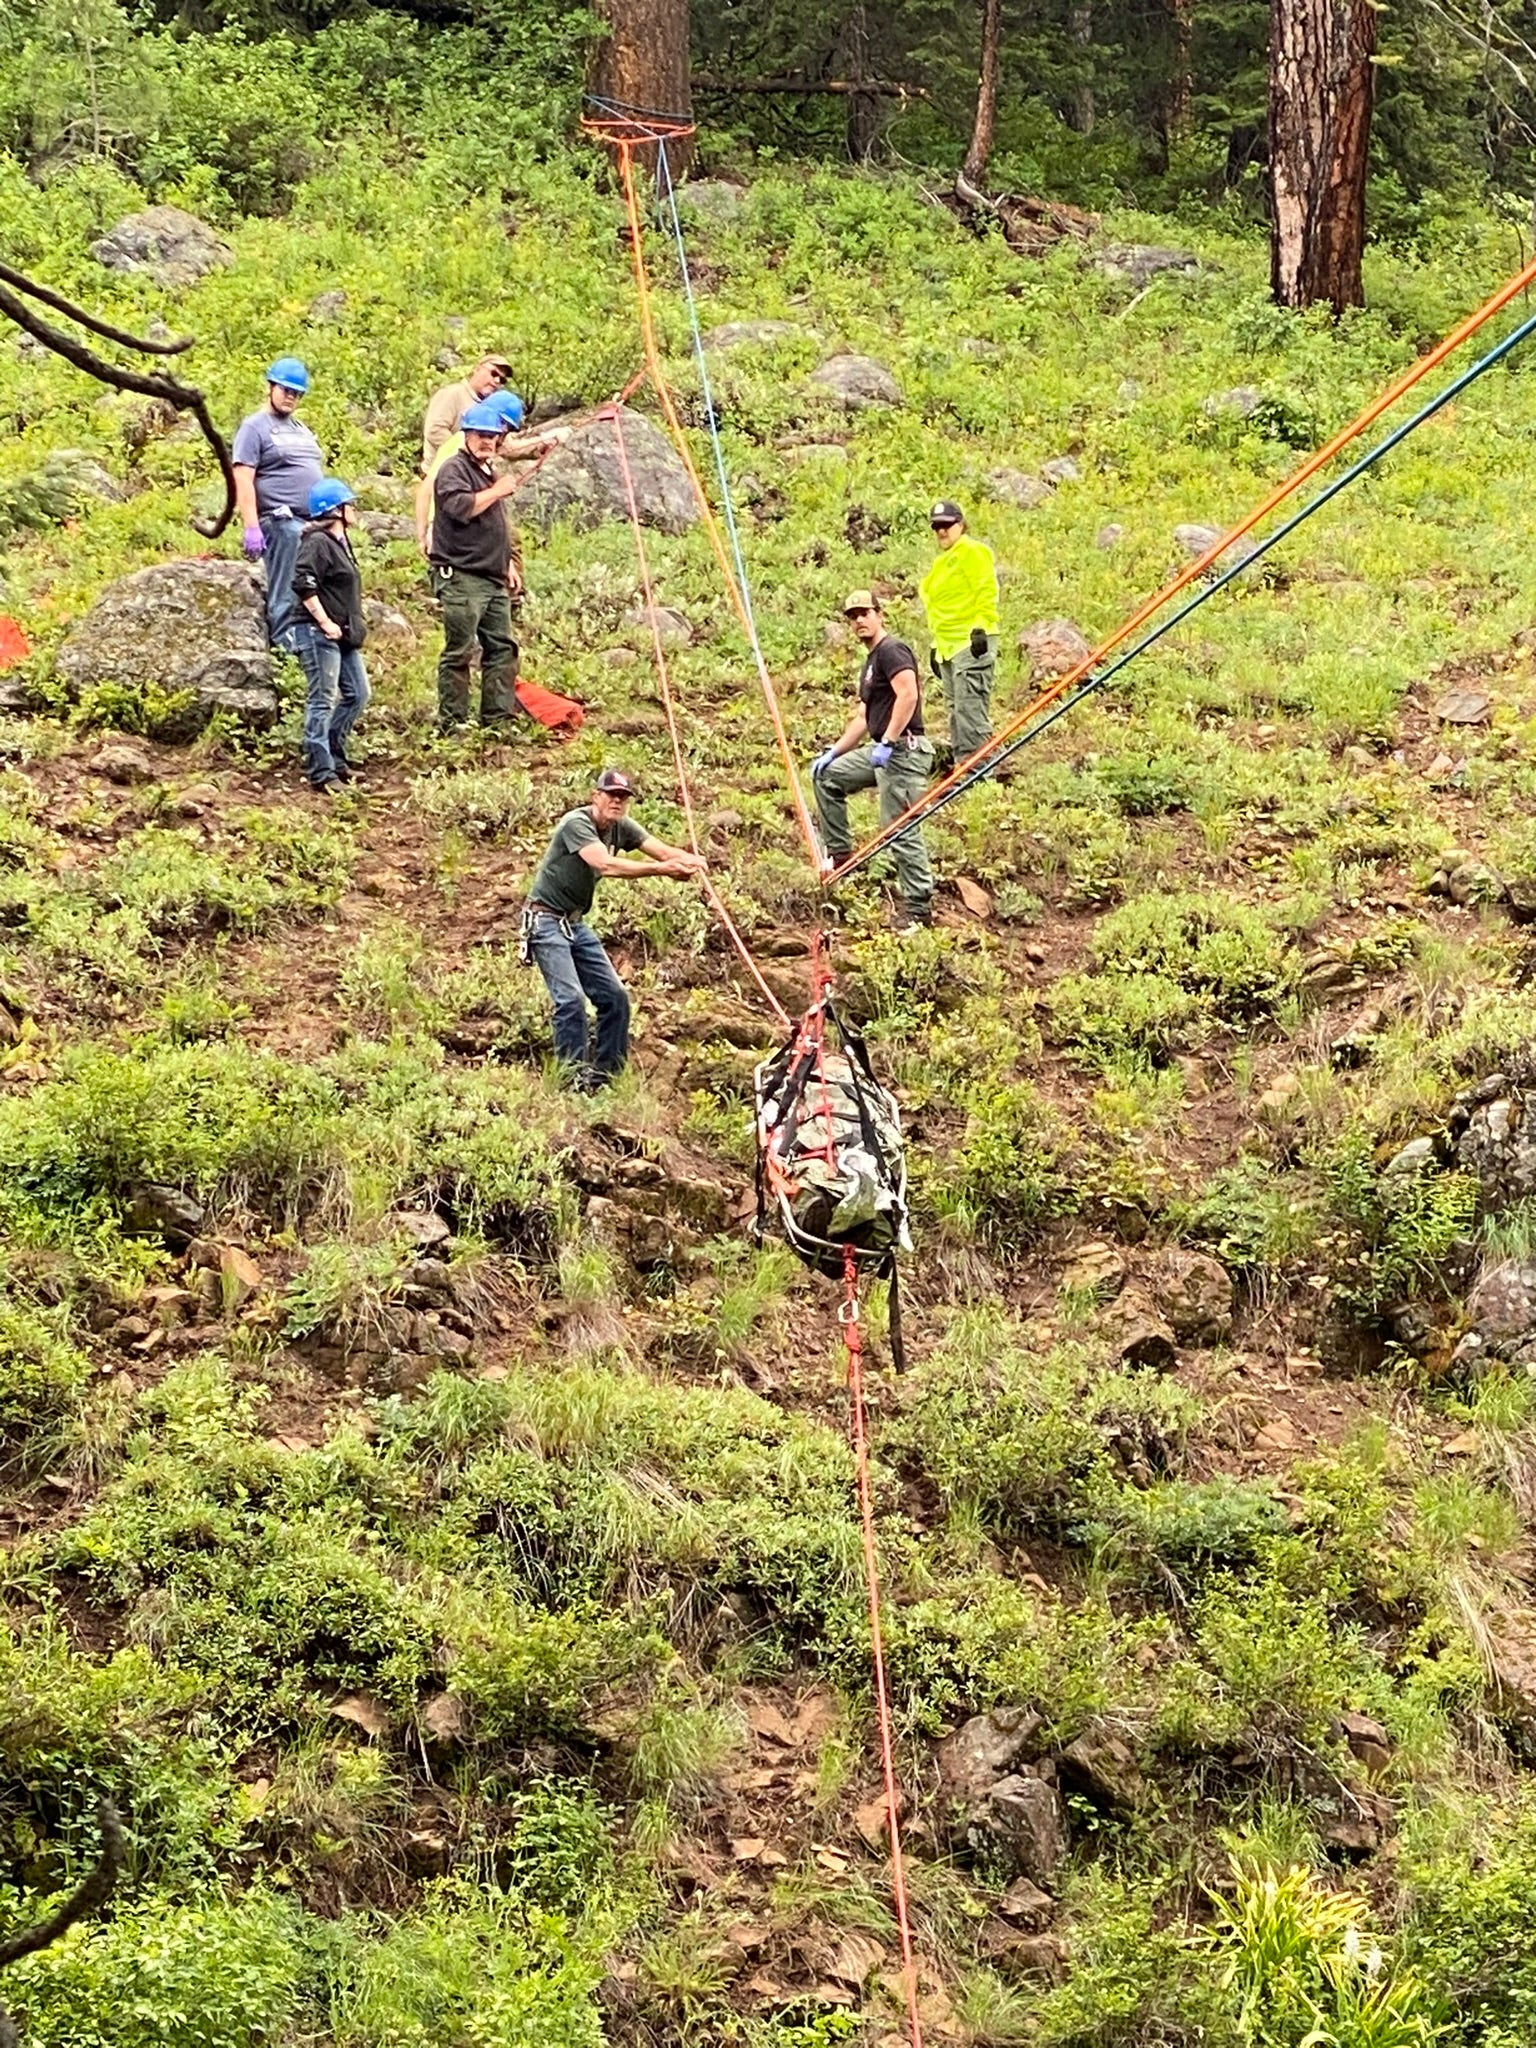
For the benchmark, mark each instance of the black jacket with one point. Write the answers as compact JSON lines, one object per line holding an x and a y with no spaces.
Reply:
{"x":480,"y":546}
{"x":326,"y":568}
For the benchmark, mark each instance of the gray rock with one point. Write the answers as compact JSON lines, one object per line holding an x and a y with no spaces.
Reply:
{"x":1241,"y":402}
{"x":856,"y":382}
{"x":1196,"y":540}
{"x":711,"y":200}
{"x":1137,"y":263}
{"x":82,"y":476}
{"x":1102,"y":1766}
{"x":423,"y":1228}
{"x":1416,"y":1157}
{"x":752,"y":334}
{"x":1108,"y":537}
{"x":1464,"y":707}
{"x":170,"y":247}
{"x":981,"y":351}
{"x":1061,"y":469}
{"x":385,"y":528}
{"x":1141,"y":1334}
{"x":1054,"y":646}
{"x":455,"y":323}
{"x":672,"y":627}
{"x":447,"y":359}
{"x":1018,"y":487}
{"x":1022,"y":1822}
{"x":386,"y":626}
{"x":15,"y":698}
{"x":583,"y":482}
{"x":984,"y":1749}
{"x":122,"y":761}
{"x":1194,"y":1292}
{"x":1473,"y":881}
{"x":327,"y":307}
{"x":184,"y":626}
{"x":155,"y":1210}
{"x":1502,"y":1305}
{"x":1128,"y":391}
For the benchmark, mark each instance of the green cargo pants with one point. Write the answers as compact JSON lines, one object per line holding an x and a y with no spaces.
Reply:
{"x":967,"y":680}
{"x":476,"y":610}
{"x":901,"y":783}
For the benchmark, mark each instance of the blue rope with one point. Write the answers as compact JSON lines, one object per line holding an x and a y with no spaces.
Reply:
{"x":1097,"y":682}
{"x":669,"y":193}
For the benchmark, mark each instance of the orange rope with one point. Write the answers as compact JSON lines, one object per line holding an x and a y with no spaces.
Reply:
{"x":853,"y":1342}
{"x":664,"y":678}
{"x":707,"y":510}
{"x":1277,"y":496}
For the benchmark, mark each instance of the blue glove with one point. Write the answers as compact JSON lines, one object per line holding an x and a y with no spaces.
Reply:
{"x":879,"y":754}
{"x":823,"y":762}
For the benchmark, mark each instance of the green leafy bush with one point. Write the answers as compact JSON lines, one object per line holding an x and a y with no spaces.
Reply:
{"x":1213,"y":947}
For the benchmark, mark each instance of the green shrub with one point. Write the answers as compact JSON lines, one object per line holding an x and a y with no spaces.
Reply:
{"x":1113,"y":1018}
{"x":42,"y":1377}
{"x":1213,"y":947}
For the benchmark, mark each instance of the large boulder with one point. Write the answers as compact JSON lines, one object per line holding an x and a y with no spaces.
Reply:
{"x":1194,"y":1292}
{"x":1502,"y":1307}
{"x":1018,"y":487}
{"x":583,"y":480}
{"x":1498,"y":1145}
{"x":984,"y":1749}
{"x":752,"y":334}
{"x":1021,"y":1824}
{"x":1197,"y":539}
{"x":195,"y":630}
{"x":1137,"y":263}
{"x":856,"y":382}
{"x":163,"y":243}
{"x":1054,"y":646}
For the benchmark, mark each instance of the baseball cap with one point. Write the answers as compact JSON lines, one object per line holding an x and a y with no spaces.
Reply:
{"x":496,"y":360}
{"x":860,"y":601}
{"x":614,"y":782}
{"x":945,"y":513}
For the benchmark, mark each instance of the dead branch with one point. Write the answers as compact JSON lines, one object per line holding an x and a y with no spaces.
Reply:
{"x":153,"y":384}
{"x":87,"y":1897}
{"x":876,"y":88}
{"x":41,"y":292}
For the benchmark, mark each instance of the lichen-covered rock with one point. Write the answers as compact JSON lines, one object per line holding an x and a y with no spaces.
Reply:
{"x":1502,"y":1306}
{"x":1241,"y":402}
{"x":1137,"y":263}
{"x":1054,"y":646}
{"x":984,"y":1749}
{"x":180,"y":627}
{"x":1194,"y":1291}
{"x":1197,"y":540}
{"x":164,"y":243}
{"x":583,"y":480}
{"x":1018,"y":487}
{"x":1021,"y":1823}
{"x":856,"y":382}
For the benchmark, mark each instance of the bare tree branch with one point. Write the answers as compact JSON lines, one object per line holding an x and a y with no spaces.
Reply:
{"x":87,"y":1897}
{"x":34,"y":290}
{"x":153,"y":384}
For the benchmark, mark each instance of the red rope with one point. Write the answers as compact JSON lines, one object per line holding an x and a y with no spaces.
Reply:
{"x":853,"y":1341}
{"x":663,"y":676}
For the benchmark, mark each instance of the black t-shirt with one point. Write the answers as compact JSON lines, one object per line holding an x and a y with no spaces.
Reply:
{"x":325,"y":567}
{"x":876,"y":687}
{"x":480,"y":546}
{"x":564,"y":882}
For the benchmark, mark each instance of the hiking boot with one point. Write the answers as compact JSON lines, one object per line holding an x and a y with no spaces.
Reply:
{"x":906,"y":921}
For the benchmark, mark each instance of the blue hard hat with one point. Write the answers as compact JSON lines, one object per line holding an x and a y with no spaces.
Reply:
{"x":290,"y":373}
{"x":327,"y":496}
{"x":511,"y":408}
{"x":485,"y":417}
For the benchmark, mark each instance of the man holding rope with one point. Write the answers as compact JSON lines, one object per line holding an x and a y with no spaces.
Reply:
{"x":881,"y":747}
{"x":556,"y":937}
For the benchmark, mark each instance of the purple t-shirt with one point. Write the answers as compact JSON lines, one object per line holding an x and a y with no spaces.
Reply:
{"x":286,"y":458}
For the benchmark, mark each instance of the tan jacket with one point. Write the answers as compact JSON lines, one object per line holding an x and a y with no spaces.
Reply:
{"x":445,"y":409}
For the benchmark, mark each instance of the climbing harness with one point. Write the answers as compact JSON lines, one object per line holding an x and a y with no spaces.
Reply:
{"x":829,"y":1136}
{"x":1087,"y":676}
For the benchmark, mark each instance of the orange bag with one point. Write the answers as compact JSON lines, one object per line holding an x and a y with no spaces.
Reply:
{"x":14,"y":644}
{"x":561,"y":714}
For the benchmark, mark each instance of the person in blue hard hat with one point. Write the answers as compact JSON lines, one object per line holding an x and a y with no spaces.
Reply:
{"x":277,"y":464}
{"x":329,"y":634}
{"x":474,"y":574}
{"x":512,"y":447}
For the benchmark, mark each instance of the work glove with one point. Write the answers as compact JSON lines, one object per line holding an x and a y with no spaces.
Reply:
{"x":823,"y":762}
{"x":254,"y":541}
{"x":978,"y":643}
{"x":935,"y":664}
{"x":880,"y":754}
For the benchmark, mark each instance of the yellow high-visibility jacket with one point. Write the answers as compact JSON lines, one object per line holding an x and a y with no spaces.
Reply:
{"x":960,"y":592}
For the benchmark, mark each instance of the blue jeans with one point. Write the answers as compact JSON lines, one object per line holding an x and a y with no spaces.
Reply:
{"x":576,"y":968}
{"x":338,"y":691}
{"x":282,"y":537}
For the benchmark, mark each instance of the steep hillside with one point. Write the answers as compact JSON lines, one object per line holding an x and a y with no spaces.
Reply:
{"x":427,"y":1513}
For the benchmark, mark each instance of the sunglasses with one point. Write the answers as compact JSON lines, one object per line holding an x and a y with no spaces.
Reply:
{"x":499,"y":375}
{"x":945,"y":525}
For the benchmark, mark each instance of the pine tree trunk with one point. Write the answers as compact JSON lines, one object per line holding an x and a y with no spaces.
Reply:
{"x":1321,"y":88}
{"x":1081,"y":111}
{"x":1181,"y":89}
{"x":862,"y":124}
{"x":643,"y":62}
{"x":985,"y":125}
